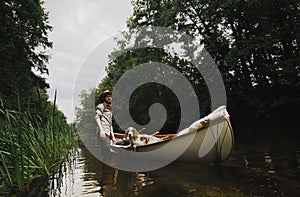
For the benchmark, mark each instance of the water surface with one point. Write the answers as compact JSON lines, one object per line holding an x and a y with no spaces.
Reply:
{"x":262,"y":169}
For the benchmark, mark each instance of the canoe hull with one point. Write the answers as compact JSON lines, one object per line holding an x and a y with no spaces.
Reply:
{"x":211,"y":144}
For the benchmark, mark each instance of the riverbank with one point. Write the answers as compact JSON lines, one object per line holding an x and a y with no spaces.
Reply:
{"x":31,"y":149}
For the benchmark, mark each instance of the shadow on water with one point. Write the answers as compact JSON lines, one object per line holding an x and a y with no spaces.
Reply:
{"x":262,"y":170}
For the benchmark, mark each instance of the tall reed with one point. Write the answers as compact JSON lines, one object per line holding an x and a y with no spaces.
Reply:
{"x":30,"y":148}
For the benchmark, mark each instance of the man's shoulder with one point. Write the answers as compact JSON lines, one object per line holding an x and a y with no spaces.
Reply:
{"x":101,"y":106}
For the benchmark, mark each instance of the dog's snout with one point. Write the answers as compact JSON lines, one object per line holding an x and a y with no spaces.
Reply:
{"x":130,"y":133}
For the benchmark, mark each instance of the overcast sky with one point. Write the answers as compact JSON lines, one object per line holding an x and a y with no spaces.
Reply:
{"x":78,"y":27}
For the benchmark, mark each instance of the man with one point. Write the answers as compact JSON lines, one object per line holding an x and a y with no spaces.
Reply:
{"x":104,"y":120}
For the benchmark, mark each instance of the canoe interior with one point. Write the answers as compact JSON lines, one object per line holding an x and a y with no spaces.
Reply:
{"x":163,"y":137}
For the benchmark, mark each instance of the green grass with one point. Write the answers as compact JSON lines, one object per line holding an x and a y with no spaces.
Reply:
{"x":31,"y":148}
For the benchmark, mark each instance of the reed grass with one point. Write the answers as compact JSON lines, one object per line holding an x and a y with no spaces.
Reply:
{"x":31,"y":148}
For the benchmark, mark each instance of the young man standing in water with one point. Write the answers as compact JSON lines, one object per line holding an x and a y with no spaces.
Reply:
{"x":104,"y":121}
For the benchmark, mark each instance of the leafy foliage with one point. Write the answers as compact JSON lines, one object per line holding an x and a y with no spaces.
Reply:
{"x":23,"y":44}
{"x":31,"y":148}
{"x":255,"y":44}
{"x":34,"y":134}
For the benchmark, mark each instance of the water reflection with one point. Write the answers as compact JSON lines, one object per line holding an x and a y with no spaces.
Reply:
{"x":74,"y":179}
{"x":268,"y":160}
{"x":138,"y":182}
{"x":271,"y":171}
{"x":298,"y":157}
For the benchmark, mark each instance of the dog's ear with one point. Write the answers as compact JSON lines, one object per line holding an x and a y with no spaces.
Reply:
{"x":126,"y":133}
{"x":141,"y":130}
{"x":135,"y":133}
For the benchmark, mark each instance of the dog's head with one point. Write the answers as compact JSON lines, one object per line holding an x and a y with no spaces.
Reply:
{"x":132,"y":133}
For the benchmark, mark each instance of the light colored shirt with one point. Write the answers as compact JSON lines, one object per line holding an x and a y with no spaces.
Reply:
{"x":105,"y":116}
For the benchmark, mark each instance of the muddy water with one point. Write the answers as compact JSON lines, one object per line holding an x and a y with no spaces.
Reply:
{"x":268,"y":169}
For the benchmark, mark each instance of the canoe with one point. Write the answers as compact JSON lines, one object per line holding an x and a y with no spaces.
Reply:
{"x":208,"y":140}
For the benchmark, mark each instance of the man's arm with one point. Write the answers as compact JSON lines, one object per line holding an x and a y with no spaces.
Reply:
{"x":99,"y":112}
{"x":112,"y":135}
{"x":102,"y":134}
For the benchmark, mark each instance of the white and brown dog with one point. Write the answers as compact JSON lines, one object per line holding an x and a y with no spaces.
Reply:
{"x":135,"y":138}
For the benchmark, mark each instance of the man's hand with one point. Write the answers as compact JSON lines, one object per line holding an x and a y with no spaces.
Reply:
{"x":102,"y":135}
{"x":114,"y":141}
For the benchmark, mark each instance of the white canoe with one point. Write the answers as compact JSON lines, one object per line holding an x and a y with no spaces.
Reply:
{"x":208,"y":140}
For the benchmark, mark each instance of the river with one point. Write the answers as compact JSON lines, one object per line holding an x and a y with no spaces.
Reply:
{"x":262,"y":169}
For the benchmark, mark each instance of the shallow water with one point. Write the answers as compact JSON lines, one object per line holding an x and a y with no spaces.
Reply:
{"x":268,"y":169}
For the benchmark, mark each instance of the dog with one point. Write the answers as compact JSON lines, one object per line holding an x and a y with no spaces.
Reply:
{"x":135,"y":138}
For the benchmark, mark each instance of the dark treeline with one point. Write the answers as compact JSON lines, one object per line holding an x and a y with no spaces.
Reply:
{"x":254,"y":43}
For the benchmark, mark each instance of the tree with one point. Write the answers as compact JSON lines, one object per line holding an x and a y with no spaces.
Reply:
{"x":23,"y":43}
{"x":150,"y":93}
{"x":255,"y":44}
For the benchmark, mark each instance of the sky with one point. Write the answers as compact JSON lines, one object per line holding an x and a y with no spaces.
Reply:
{"x":79,"y":26}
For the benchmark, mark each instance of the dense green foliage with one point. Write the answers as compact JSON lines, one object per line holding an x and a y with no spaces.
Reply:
{"x":23,"y":44}
{"x":151,"y":93}
{"x":31,"y":148}
{"x":255,"y":45}
{"x":34,"y":134}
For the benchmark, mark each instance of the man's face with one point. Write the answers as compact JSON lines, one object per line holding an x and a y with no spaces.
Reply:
{"x":108,"y":98}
